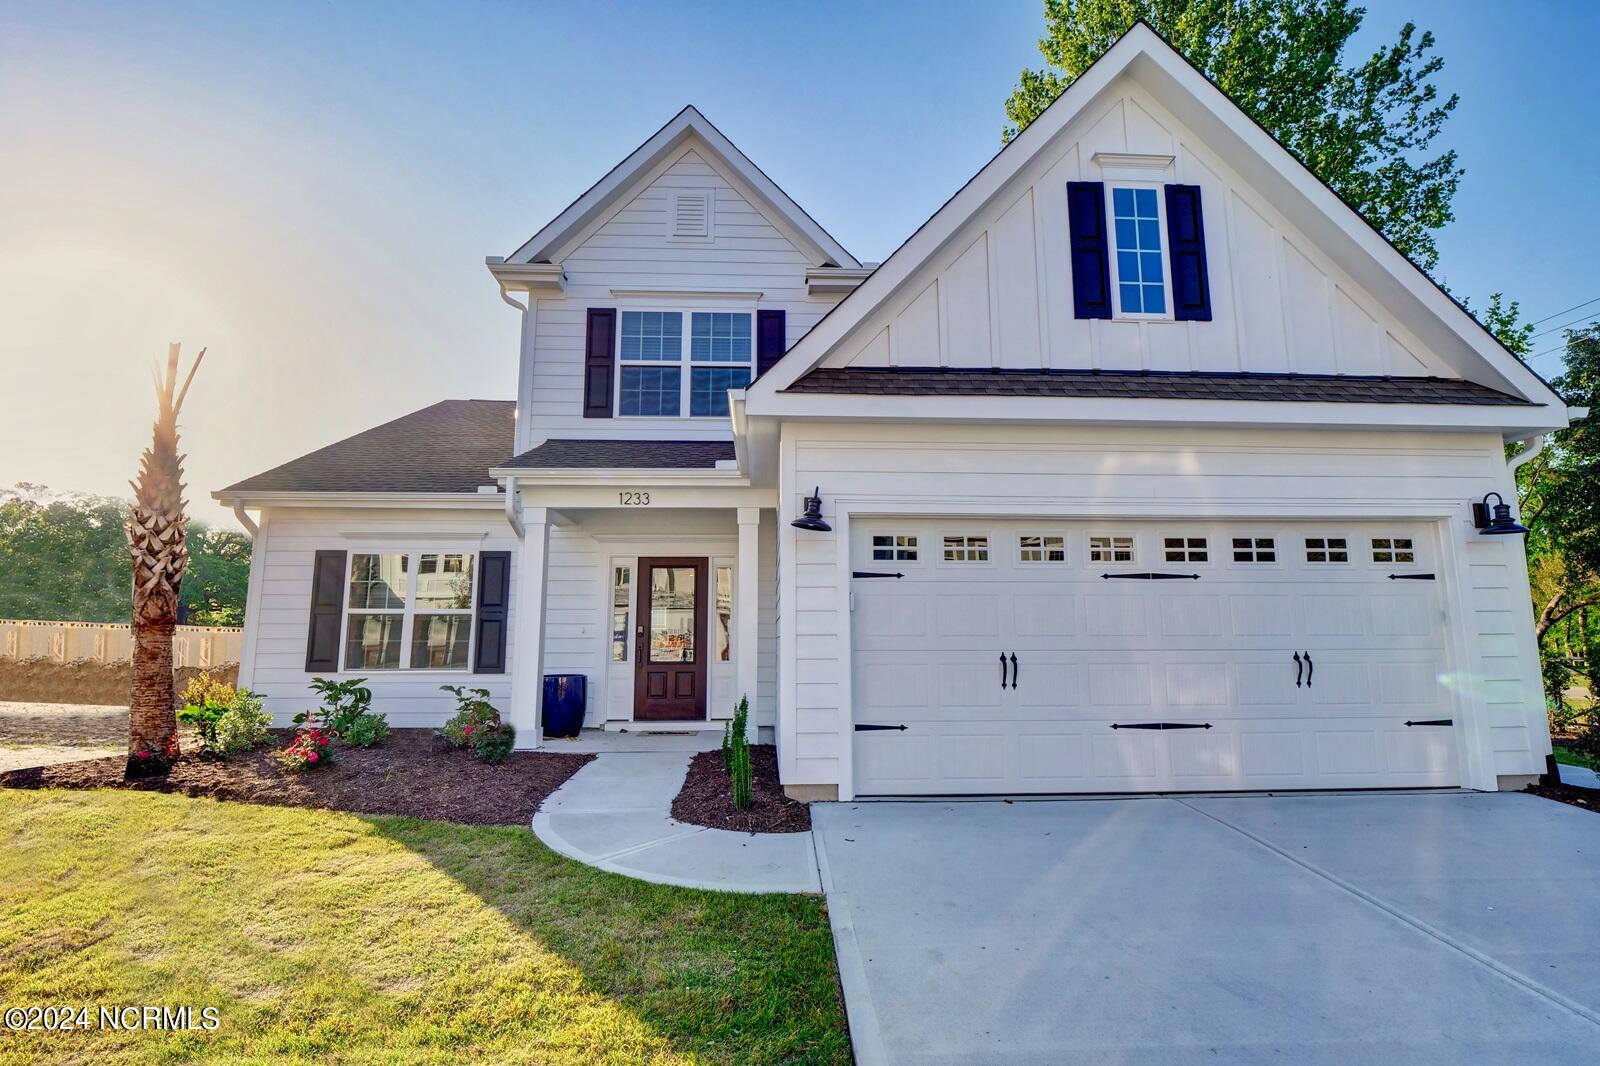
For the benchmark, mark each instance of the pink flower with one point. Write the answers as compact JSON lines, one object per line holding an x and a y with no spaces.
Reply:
{"x":311,"y":756}
{"x":467,"y":731}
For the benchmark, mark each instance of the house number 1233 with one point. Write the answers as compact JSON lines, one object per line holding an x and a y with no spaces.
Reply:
{"x":634,"y":499}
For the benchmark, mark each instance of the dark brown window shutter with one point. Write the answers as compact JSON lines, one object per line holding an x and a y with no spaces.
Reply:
{"x":327,"y":608}
{"x":599,"y":362}
{"x":494,"y":599}
{"x":771,"y":341}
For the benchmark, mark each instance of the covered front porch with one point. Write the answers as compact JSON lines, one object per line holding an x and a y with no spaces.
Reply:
{"x":658,"y":588}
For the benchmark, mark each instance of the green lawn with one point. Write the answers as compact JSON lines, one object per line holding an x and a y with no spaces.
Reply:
{"x":1572,"y":758}
{"x":325,"y":936}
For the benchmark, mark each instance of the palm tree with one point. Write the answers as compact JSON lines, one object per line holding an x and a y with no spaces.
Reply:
{"x":155,"y":530}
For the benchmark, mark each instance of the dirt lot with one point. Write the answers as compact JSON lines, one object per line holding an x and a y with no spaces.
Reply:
{"x":99,"y":684}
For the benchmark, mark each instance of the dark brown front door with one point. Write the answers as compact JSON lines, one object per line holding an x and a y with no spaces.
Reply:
{"x":670,"y":675}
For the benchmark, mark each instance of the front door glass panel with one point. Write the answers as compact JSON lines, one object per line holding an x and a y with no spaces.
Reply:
{"x":672,"y":593}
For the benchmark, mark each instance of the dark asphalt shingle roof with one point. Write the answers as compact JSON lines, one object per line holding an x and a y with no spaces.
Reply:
{"x":448,"y":447}
{"x":1148,"y":384}
{"x":634,"y":454}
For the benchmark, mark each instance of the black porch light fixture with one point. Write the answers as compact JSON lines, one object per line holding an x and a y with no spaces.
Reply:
{"x":1496,"y":521}
{"x":813,"y":519}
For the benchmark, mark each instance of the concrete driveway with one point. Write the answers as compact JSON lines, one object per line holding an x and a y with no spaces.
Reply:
{"x":1421,"y":928}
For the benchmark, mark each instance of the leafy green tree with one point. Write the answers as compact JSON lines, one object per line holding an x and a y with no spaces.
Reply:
{"x":64,"y":557}
{"x":1365,"y":128}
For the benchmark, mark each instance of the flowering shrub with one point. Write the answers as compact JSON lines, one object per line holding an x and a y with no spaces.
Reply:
{"x":476,"y":725}
{"x":146,"y":763}
{"x":311,"y":748}
{"x":345,"y":713}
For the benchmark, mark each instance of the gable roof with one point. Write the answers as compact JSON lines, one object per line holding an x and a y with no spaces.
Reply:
{"x":1194,"y":99}
{"x":1150,"y":384}
{"x":448,"y":447}
{"x":621,"y":179}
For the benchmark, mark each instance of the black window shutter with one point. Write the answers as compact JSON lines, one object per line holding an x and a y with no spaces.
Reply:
{"x":327,"y":607}
{"x":770,"y":339}
{"x":1186,"y":232}
{"x":1091,"y":253}
{"x":599,"y":361}
{"x":494,"y":595}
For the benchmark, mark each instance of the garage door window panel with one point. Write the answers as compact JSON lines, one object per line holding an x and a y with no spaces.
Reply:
{"x":1327,"y":550}
{"x":894,"y":547}
{"x":1112,"y":548}
{"x":965,"y":548}
{"x":1041,"y":548}
{"x":1255,"y":549}
{"x":1185,"y":550}
{"x":1397,"y":550}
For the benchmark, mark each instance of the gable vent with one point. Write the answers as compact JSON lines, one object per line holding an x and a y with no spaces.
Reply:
{"x":691,"y":214}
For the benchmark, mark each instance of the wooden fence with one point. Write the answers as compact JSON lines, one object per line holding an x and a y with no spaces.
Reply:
{"x":201,"y":647}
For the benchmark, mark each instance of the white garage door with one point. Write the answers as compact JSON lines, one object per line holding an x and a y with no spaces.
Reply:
{"x":1137,"y":657}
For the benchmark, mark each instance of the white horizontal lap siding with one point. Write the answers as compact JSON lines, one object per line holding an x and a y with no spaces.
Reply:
{"x":1000,"y":292}
{"x":281,"y":570}
{"x":631,"y":250}
{"x":1085,"y":472}
{"x":577,"y":627}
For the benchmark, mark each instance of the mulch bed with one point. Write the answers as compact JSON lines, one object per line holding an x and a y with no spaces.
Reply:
{"x":1587,"y":798}
{"x":411,"y":773}
{"x":706,"y":798}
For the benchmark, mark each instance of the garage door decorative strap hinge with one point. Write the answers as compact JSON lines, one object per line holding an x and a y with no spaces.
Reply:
{"x":1160,"y":725}
{"x":873,"y":573}
{"x":863,"y":727}
{"x":1435,"y":721}
{"x":1411,"y":577}
{"x":1153,"y":577}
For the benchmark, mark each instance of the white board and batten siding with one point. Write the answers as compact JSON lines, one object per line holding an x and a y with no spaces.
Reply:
{"x":999,"y":293}
{"x":1270,"y":480}
{"x":577,"y":612}
{"x":633,"y":249}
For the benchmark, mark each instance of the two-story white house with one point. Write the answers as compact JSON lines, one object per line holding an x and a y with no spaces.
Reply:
{"x":1145,"y":464}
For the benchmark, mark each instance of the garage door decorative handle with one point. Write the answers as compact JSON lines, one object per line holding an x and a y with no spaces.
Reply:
{"x":1153,"y":577}
{"x":1002,"y":671}
{"x":1013,"y":671}
{"x":873,"y":573}
{"x":863,"y":727}
{"x":1435,"y":721}
{"x":1299,"y":668}
{"x":1410,"y":577}
{"x":1160,"y":725}
{"x":1311,"y":668}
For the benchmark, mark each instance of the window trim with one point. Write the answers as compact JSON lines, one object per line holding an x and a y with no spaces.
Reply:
{"x":684,"y":364}
{"x":1117,"y":313}
{"x":1133,"y":549}
{"x":409,"y":611}
{"x":1252,"y":537}
{"x":1043,"y":549}
{"x":915,"y":547}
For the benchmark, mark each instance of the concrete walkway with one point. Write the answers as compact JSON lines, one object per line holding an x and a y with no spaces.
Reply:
{"x":615,"y":814}
{"x":1581,"y":776}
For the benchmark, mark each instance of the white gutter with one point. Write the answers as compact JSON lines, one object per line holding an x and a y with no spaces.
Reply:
{"x":512,"y":516}
{"x":1525,"y":454}
{"x":245,"y":520}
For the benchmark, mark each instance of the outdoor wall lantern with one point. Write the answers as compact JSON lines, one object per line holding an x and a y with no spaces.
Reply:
{"x":1499,"y":521}
{"x":813,"y":519}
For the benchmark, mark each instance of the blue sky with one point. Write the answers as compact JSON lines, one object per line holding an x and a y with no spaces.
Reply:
{"x":311,"y":189}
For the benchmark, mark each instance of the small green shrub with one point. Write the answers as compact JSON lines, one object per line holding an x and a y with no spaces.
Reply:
{"x":203,"y":689}
{"x":477,"y":726}
{"x":242,"y":726}
{"x":736,"y":755}
{"x":204,"y":718}
{"x":346,"y":713}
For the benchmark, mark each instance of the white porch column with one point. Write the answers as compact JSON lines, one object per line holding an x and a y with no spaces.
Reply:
{"x":527,"y":629}
{"x":747,"y":607}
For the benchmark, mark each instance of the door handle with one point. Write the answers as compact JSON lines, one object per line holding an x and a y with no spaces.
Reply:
{"x":1013,"y":671}
{"x":1311,"y":668}
{"x":1299,"y":668}
{"x":1002,"y":671}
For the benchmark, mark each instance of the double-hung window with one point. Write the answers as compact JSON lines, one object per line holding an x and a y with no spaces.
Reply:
{"x":409,"y":610}
{"x":669,"y":371}
{"x":1139,"y":260}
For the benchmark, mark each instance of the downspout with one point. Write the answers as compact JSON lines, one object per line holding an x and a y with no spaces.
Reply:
{"x":512,"y":516}
{"x":245,"y":520}
{"x":506,"y":296}
{"x":1526,"y":454}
